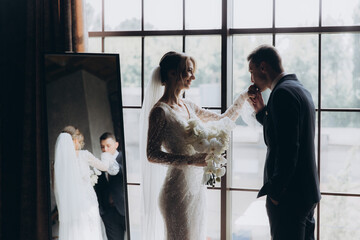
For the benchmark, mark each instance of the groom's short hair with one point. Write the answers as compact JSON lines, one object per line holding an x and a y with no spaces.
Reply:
{"x":107,"y":135}
{"x":268,"y":54}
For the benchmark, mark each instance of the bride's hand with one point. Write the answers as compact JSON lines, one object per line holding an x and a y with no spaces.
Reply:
{"x":252,"y":91}
{"x":198,"y":160}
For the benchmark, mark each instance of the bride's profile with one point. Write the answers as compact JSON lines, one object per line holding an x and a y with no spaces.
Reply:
{"x":76,"y":200}
{"x":174,"y":184}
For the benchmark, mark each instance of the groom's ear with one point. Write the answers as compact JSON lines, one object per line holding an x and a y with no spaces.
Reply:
{"x":263,"y":67}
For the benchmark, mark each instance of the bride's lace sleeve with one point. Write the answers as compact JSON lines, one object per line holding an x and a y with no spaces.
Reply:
{"x":232,"y":112}
{"x":156,"y":136}
{"x":106,"y":164}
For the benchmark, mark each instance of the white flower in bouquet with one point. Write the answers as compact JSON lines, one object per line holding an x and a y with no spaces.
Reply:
{"x":219,"y":159}
{"x":220,"y":172}
{"x":211,"y":167}
{"x":216,"y":147}
{"x":196,"y":130}
{"x":202,"y":145}
{"x":94,"y":176}
{"x":211,"y":138}
{"x":214,"y":170}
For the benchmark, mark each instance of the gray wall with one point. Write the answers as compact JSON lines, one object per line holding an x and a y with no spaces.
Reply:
{"x":98,"y":109}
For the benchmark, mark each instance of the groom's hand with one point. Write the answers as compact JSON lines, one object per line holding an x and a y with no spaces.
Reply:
{"x":255,"y":98}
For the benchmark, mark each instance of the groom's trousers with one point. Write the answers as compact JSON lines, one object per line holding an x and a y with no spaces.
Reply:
{"x":114,"y":224}
{"x":291,"y":220}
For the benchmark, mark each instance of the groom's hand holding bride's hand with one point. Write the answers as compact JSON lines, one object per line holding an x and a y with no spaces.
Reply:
{"x":255,"y":98}
{"x":253,"y":90}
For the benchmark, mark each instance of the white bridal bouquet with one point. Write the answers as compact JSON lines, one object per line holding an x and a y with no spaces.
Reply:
{"x":94,"y":173}
{"x":212,"y":138}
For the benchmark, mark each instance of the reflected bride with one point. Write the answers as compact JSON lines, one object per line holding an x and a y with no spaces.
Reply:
{"x":74,"y":177}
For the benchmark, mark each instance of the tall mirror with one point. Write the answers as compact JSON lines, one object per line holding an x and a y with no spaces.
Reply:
{"x":85,"y":124}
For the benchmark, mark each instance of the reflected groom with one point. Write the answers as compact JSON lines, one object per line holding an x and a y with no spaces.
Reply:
{"x":110,"y":192}
{"x":290,"y":176}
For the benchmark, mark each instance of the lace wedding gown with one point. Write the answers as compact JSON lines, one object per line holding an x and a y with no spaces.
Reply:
{"x":76,"y":199}
{"x":182,"y":198}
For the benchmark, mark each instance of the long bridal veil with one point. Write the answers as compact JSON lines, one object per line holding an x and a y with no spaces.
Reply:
{"x":152,"y":224}
{"x":69,"y":190}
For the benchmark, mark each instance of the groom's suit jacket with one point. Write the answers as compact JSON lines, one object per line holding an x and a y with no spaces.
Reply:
{"x":113,"y":188}
{"x":288,"y":120}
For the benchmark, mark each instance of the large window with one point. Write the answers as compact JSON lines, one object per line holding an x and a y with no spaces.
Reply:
{"x":319,"y":41}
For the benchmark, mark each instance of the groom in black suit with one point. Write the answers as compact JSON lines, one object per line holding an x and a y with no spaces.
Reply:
{"x":290,"y":176}
{"x":110,"y":192}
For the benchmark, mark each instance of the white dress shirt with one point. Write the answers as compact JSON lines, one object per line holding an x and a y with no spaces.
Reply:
{"x":276,"y":80}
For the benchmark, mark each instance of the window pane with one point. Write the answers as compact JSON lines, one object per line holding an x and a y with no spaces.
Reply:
{"x":163,"y":14}
{"x":248,"y":153}
{"x":134,"y":201}
{"x":94,"y":45}
{"x":131,"y":127}
{"x":203,"y":14}
{"x":299,"y":55}
{"x":246,"y":14}
{"x":93,"y":15}
{"x":155,"y":48}
{"x":207,"y":53}
{"x":248,"y":149}
{"x":212,"y":214}
{"x":129,"y":49}
{"x":340,"y":152}
{"x":340,"y":70}
{"x":338,"y":217}
{"x":303,"y":13}
{"x":340,"y":13}
{"x":122,"y":15}
{"x":242,"y":47}
{"x":249,"y":219}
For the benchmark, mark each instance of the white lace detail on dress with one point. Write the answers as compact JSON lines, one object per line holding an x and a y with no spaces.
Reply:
{"x":182,"y":197}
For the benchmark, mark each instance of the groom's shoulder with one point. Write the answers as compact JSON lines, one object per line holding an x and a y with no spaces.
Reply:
{"x":285,"y":91}
{"x":288,"y":83}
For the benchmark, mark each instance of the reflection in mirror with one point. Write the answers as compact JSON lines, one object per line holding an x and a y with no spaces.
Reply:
{"x":86,"y":147}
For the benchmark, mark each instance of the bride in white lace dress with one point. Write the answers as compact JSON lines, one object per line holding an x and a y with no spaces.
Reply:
{"x":181,"y":194}
{"x":76,"y":200}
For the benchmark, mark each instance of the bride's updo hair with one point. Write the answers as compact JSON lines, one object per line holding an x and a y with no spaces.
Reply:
{"x":174,"y":61}
{"x":75,"y":134}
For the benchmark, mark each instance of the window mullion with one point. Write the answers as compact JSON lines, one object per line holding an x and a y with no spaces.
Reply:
{"x":224,"y":48}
